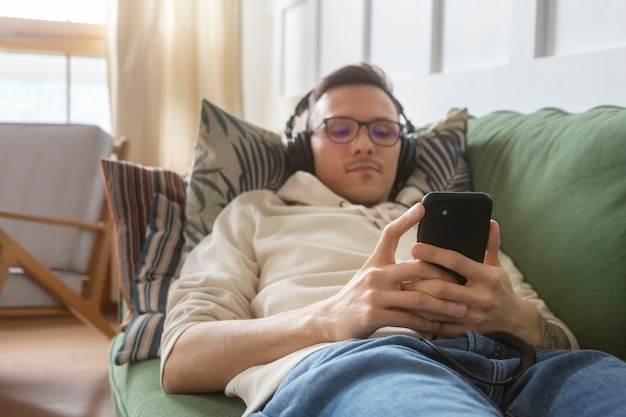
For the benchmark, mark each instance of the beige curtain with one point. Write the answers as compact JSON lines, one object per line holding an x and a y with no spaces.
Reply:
{"x":164,"y":57}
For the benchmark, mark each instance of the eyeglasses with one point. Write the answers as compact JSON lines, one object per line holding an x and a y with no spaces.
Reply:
{"x":344,"y":130}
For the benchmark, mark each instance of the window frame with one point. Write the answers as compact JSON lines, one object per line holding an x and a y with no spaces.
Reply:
{"x":67,"y":39}
{"x":46,"y":36}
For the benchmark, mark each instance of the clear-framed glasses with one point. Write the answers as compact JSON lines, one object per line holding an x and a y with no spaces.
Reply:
{"x":344,"y":130}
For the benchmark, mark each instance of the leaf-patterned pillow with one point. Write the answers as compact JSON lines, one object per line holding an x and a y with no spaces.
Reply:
{"x":230,"y":156}
{"x":442,"y":164}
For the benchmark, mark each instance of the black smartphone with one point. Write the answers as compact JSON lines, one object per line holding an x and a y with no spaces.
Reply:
{"x":458,"y":221}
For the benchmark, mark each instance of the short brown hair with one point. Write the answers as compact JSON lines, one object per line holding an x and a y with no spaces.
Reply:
{"x":355,"y":74}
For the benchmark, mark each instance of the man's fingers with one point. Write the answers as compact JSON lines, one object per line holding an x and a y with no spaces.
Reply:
{"x":388,"y":243}
{"x":493,"y":244}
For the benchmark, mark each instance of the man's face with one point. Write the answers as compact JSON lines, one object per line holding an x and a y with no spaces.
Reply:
{"x":359,"y":171}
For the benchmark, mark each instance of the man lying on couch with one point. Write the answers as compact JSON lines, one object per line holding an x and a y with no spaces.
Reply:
{"x":296,"y":303}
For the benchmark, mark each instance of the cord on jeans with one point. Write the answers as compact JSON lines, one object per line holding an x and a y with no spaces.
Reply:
{"x":525,"y":349}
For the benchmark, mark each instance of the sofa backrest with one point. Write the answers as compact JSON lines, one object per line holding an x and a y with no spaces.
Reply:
{"x":53,"y":170}
{"x":558,"y":181}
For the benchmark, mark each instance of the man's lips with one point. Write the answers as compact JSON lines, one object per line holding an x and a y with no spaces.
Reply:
{"x":363,"y":164}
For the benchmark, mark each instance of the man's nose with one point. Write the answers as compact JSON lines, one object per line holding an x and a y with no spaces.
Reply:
{"x":363,"y":142}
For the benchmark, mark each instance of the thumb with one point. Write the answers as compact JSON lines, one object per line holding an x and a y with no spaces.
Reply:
{"x":493,"y":244}
{"x":385,"y":251}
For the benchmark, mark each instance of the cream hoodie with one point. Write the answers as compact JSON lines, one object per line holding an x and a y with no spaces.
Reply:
{"x":270,"y":253}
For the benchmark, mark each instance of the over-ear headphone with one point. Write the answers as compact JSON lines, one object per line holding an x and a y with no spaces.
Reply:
{"x":300,"y":155}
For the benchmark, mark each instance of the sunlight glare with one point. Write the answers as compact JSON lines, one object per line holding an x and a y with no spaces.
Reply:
{"x":78,"y":11}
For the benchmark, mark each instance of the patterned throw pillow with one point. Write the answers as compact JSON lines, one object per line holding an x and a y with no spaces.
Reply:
{"x":232,"y":156}
{"x":442,"y":164}
{"x":159,"y":264}
{"x":130,"y":189}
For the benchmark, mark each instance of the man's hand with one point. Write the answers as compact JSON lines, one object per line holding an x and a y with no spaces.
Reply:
{"x":492,"y":303}
{"x":374,"y":297}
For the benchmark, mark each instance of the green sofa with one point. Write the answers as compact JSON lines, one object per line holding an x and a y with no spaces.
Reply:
{"x":558,"y":182}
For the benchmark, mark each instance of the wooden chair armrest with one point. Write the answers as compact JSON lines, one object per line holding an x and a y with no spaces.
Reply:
{"x":98,"y":226}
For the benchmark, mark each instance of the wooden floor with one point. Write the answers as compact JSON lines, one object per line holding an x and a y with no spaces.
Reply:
{"x":54,"y":366}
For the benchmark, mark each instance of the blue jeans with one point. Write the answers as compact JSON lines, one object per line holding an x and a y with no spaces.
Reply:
{"x":402,"y":376}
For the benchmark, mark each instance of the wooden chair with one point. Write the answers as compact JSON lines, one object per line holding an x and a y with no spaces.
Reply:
{"x":55,"y":229}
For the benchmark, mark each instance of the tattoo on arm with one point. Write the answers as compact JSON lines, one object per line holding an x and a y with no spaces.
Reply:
{"x":552,"y":336}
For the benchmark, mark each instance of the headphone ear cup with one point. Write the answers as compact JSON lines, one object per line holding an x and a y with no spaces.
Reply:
{"x":299,"y":153}
{"x":407,"y":161}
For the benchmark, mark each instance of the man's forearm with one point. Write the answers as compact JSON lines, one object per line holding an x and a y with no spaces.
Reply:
{"x":209,"y":354}
{"x":552,"y":336}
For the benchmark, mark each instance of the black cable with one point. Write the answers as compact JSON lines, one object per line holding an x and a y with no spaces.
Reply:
{"x":525,"y":349}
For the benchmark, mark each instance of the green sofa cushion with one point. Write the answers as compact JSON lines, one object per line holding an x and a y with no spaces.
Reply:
{"x":558,"y":181}
{"x":136,"y":392}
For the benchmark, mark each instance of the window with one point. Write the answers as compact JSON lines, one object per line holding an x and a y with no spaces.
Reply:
{"x":53,"y":65}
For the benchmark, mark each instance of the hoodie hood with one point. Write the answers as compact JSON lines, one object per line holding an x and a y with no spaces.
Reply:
{"x":303,"y":188}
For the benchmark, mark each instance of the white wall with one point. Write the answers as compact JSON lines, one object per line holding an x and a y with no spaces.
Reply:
{"x":481,"y":54}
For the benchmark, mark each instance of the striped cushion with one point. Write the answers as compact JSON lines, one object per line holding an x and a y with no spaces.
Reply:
{"x":159,"y":264}
{"x":130,"y":189}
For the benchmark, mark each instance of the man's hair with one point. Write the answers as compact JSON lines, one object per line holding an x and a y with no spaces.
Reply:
{"x":351,"y":75}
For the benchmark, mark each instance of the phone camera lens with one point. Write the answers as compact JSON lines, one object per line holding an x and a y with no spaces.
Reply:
{"x":436,"y":206}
